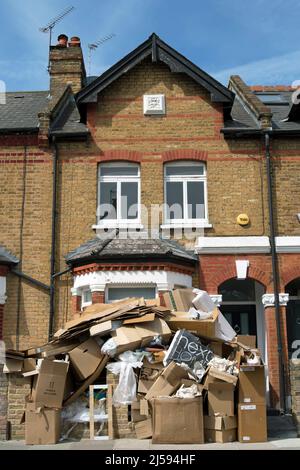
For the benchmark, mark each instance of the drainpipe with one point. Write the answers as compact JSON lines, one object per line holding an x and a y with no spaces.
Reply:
{"x":53,"y":240}
{"x":275,"y":274}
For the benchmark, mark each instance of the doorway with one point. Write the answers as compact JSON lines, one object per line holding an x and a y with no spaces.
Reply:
{"x":242,"y":306}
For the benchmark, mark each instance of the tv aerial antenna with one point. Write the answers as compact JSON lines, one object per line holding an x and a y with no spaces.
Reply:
{"x":94,"y":45}
{"x":52,"y":23}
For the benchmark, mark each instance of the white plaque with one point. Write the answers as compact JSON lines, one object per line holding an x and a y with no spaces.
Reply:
{"x":154,"y":104}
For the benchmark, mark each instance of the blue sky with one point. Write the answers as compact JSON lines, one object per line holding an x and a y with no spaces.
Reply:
{"x":258,"y":40}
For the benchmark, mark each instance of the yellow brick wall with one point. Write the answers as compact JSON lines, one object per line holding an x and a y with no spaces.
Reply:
{"x":235,"y":169}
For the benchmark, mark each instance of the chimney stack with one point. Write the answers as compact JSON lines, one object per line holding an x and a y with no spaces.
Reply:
{"x":66,"y":65}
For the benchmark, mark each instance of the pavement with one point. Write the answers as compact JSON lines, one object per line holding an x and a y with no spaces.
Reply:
{"x":281,"y":431}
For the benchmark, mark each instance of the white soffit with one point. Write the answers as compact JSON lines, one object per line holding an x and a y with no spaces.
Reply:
{"x":215,"y":245}
{"x":288,"y":244}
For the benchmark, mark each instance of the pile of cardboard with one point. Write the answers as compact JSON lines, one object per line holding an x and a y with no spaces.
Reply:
{"x":197,"y":381}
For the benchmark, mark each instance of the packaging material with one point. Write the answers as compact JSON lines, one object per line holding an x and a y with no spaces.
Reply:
{"x":224,"y":365}
{"x":199,"y":315}
{"x":226,"y":435}
{"x":217,"y":374}
{"x":189,"y":383}
{"x":252,"y":384}
{"x":188,"y":392}
{"x":252,"y":422}
{"x":216,"y":327}
{"x":85,"y":358}
{"x":220,"y":423}
{"x":49,"y":385}
{"x":247,"y":340}
{"x":183,"y":299}
{"x":42,"y":425}
{"x":12,"y":365}
{"x":125,"y":392}
{"x":167,"y":382}
{"x":221,"y":399}
{"x":143,"y":429}
{"x":132,"y":337}
{"x":102,"y":329}
{"x":209,"y":379}
{"x":136,"y":415}
{"x":177,"y":420}
{"x":188,"y":349}
{"x":147,"y":378}
{"x":203,"y":301}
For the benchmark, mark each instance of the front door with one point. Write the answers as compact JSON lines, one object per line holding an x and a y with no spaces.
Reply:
{"x":242,"y":318}
{"x":293,"y":325}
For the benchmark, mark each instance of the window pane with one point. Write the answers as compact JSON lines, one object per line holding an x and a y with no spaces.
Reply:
{"x":174,"y":200}
{"x":184,"y":170}
{"x":108,"y":201}
{"x":123,"y":292}
{"x":119,"y":170}
{"x":238,"y":290}
{"x":129,"y":194}
{"x":195,"y":199}
{"x":87,"y":296}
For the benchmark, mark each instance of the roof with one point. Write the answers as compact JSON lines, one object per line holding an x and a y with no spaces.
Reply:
{"x":6,"y":257}
{"x":103,"y":249}
{"x":159,"y":51}
{"x":66,"y":117}
{"x":284,"y":115}
{"x":20,"y":110}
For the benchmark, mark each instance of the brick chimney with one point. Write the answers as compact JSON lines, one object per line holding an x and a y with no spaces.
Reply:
{"x":66,"y":65}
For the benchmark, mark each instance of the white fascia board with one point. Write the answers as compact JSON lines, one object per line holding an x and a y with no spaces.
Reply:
{"x":232,"y":245}
{"x":288,"y":244}
{"x":164,"y":280}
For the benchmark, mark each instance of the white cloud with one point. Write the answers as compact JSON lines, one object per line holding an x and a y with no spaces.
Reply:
{"x":283,"y":69}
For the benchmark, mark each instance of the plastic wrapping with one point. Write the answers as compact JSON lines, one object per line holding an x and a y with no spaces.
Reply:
{"x":109,"y":348}
{"x":202,"y":301}
{"x":188,"y":392}
{"x":125,"y":392}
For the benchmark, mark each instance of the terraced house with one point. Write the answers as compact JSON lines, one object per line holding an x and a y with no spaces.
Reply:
{"x":154,"y":131}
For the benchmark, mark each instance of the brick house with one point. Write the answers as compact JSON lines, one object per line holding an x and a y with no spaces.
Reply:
{"x":156,"y":131}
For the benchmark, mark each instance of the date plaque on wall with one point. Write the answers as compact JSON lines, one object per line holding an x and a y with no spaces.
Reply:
{"x":154,"y":104}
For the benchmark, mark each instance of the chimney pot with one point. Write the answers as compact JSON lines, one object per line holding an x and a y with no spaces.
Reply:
{"x":74,"y":42}
{"x":62,"y":40}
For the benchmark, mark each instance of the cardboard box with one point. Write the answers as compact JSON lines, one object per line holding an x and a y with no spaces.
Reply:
{"x":216,"y":327}
{"x":220,"y":423}
{"x":49,"y":385}
{"x":143,"y":429}
{"x":183,"y":299}
{"x":217,"y":374}
{"x":212,"y":435}
{"x":252,"y":422}
{"x":85,"y":358}
{"x":133,"y":337}
{"x":147,"y":378}
{"x":12,"y":365}
{"x":42,"y":425}
{"x":247,"y":340}
{"x":252,"y":384}
{"x":221,"y":399}
{"x":167,"y":382}
{"x":209,"y":379}
{"x":104,"y":328}
{"x":177,"y":420}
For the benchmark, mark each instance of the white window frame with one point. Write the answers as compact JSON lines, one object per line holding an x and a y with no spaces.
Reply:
{"x":129,"y":286}
{"x":119,"y":179}
{"x":83,"y":302}
{"x":185,"y":221}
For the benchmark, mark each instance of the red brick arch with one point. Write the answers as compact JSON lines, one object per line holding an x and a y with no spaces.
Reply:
{"x":254,"y":273}
{"x":128,"y":155}
{"x":184,"y":154}
{"x":290,"y":275}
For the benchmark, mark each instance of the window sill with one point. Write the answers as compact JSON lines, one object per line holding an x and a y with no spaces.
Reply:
{"x":198,"y":224}
{"x":120,"y":225}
